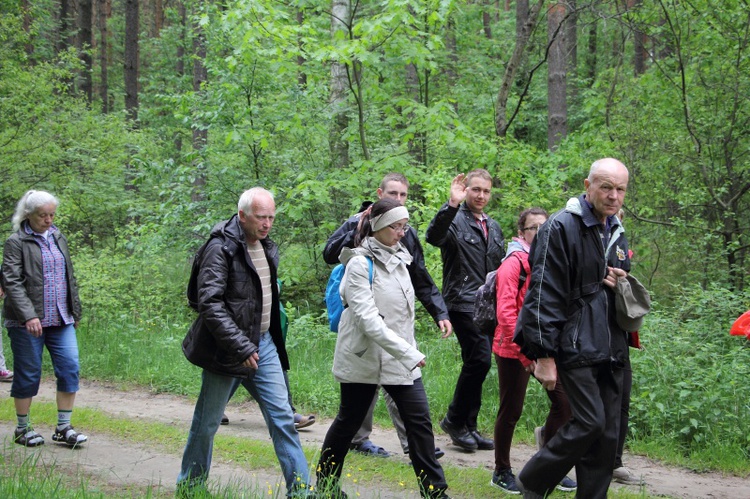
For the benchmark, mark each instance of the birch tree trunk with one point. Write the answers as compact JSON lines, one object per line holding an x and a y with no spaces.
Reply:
{"x":339,"y":146}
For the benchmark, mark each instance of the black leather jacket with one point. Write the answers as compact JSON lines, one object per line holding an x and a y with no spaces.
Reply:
{"x":227,"y":330}
{"x":568,"y":313}
{"x":424,"y":287}
{"x":23,"y":280}
{"x":467,"y":255}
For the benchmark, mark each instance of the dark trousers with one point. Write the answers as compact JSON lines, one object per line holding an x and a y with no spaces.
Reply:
{"x":513,"y":379}
{"x":627,"y":387}
{"x":411,"y":401}
{"x":476,"y":354}
{"x":588,"y":441}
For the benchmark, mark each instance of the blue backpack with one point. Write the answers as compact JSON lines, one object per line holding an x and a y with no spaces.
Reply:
{"x":334,"y":305}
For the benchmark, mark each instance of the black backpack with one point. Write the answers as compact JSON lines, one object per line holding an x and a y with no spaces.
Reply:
{"x":485,"y":304}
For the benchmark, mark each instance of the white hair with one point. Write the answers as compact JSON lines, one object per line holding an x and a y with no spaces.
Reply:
{"x":245,"y":204}
{"x":29,"y":203}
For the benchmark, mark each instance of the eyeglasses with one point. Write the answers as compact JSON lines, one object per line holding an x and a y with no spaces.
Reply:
{"x":401,"y":228}
{"x":534,"y":228}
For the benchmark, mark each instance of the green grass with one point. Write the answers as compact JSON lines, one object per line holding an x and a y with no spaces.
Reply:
{"x":241,"y":452}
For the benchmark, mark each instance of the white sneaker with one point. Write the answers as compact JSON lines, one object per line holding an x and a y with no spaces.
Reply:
{"x":626,"y":477}
{"x":539,"y":437}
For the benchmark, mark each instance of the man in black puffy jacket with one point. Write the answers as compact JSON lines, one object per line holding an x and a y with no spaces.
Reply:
{"x":471,"y":245}
{"x":237,"y":339}
{"x":568,"y":325}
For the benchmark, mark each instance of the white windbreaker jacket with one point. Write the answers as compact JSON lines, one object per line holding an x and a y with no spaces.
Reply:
{"x":375,"y":343}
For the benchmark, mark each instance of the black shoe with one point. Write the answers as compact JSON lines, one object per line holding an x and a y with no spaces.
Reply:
{"x":482,"y":443}
{"x":460,"y":436}
{"x":567,"y":485}
{"x":506,"y":481}
{"x":224,"y":419}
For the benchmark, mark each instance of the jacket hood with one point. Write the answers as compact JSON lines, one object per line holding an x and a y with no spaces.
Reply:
{"x":516,"y":245}
{"x":229,"y":229}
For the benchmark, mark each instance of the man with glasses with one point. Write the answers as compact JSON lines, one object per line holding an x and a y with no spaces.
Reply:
{"x":471,"y":245}
{"x":393,"y":186}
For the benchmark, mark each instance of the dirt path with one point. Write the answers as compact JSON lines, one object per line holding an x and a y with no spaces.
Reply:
{"x":126,"y":465}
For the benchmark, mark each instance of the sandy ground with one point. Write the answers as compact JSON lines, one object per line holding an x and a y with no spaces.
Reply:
{"x":122,"y":465}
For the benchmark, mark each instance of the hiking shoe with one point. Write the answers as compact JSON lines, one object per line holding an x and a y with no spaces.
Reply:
{"x":224,"y":419}
{"x":370,"y":449}
{"x":69,"y":436}
{"x":6,"y":375}
{"x":567,"y":485}
{"x":482,"y":443}
{"x":506,"y":481}
{"x":459,"y":436}
{"x":539,"y":437}
{"x":626,"y":477}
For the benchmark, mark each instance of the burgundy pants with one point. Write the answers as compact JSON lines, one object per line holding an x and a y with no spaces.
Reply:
{"x":513,"y":380}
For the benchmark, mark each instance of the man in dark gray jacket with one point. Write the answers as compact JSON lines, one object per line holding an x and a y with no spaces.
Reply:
{"x":237,"y":339}
{"x":471,"y":245}
{"x":568,"y":325}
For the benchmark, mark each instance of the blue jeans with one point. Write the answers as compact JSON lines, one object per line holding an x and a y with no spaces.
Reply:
{"x":268,"y":388}
{"x":62,"y":346}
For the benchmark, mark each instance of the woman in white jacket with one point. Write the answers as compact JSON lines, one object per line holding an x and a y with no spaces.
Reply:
{"x":376,"y":346}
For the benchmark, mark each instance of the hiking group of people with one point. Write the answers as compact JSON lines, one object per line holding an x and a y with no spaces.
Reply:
{"x":558,"y":320}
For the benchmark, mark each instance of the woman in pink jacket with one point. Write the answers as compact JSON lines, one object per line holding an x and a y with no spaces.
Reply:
{"x":513,"y":367}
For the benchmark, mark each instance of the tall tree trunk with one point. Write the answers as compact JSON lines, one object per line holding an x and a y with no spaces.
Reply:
{"x":525,"y":23}
{"x":103,"y":13}
{"x":85,"y":28}
{"x":132,"y":26}
{"x":301,"y":75}
{"x":639,"y":39}
{"x":26,"y":9}
{"x":200,"y":132}
{"x":450,"y":47}
{"x":417,"y":143}
{"x":180,"y":64}
{"x":557,"y":104}
{"x":158,"y":17}
{"x":65,"y":39}
{"x":487,"y":19}
{"x":339,"y":147}
{"x":591,"y":54}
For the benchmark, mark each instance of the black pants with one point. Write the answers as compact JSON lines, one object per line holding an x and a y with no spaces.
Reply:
{"x":627,"y":387}
{"x":476,"y":354}
{"x":588,"y":441}
{"x":411,"y":401}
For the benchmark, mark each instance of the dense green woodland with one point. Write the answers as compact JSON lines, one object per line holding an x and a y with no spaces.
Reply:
{"x":148,"y":145}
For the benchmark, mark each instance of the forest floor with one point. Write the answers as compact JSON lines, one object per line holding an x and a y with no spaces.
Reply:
{"x":110,"y":463}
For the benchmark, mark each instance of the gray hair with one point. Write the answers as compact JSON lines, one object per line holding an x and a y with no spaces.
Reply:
{"x":245,"y":204}
{"x":29,"y":203}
